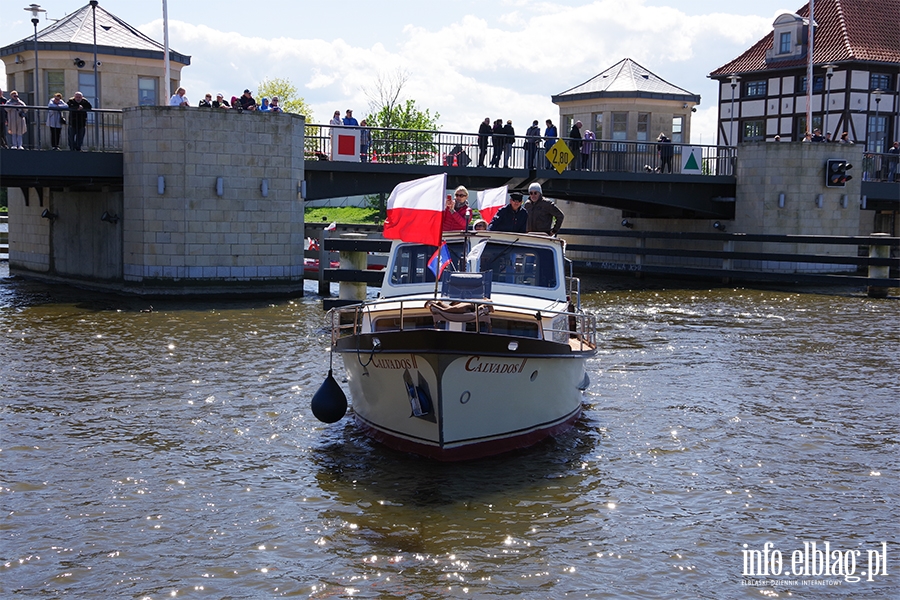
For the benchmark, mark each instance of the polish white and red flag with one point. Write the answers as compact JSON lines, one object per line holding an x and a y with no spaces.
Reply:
{"x":490,"y":201}
{"x":415,"y":209}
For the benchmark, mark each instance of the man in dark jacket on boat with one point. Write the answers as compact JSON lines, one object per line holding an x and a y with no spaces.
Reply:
{"x":511,"y":217}
{"x":542,"y":213}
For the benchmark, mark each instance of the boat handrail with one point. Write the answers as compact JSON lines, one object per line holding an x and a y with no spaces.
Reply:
{"x":580,"y":326}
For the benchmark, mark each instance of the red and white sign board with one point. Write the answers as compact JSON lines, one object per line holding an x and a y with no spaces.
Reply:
{"x":345,"y":144}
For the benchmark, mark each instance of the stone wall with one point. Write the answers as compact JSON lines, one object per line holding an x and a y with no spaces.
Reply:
{"x":214,"y":224}
{"x":764,"y":172}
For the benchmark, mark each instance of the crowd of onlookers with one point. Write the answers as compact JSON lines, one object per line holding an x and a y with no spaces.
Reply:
{"x":14,"y":120}
{"x":499,"y":136}
{"x":244,"y":102}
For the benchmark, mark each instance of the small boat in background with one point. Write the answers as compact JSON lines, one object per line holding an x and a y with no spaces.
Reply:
{"x":489,"y":357}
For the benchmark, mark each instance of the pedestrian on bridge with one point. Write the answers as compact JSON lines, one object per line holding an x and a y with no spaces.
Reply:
{"x":587,"y":147}
{"x":484,"y":134}
{"x":56,"y":119}
{"x":550,"y":135}
{"x":510,"y":134}
{"x":575,"y":145}
{"x":15,"y":114}
{"x":666,"y":152}
{"x":498,"y":139}
{"x":78,"y":110}
{"x":2,"y":121}
{"x":531,"y":143}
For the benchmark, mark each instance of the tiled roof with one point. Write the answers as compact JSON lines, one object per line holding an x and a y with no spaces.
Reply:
{"x":626,"y":78}
{"x":114,"y":36}
{"x":847,"y":31}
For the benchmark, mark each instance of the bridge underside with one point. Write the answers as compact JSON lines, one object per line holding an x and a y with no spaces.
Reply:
{"x":642,"y":194}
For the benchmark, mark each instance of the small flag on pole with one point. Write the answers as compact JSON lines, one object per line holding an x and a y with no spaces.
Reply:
{"x":490,"y":201}
{"x":439,"y":260}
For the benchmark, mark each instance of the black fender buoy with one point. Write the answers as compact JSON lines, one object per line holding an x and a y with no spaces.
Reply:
{"x":329,"y":404}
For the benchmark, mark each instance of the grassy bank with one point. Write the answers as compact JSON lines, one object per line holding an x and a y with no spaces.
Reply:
{"x":345,"y":214}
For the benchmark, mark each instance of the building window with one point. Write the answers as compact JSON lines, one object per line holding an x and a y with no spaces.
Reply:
{"x":678,"y":129}
{"x":801,"y":129}
{"x":598,"y":125}
{"x":879,"y":81}
{"x":818,"y":84}
{"x":620,"y":126}
{"x":56,"y":84}
{"x":643,"y":127}
{"x":875,"y":130}
{"x":87,"y":88}
{"x":147,"y":92}
{"x":784,"y":45}
{"x":26,"y":93}
{"x":755,"y":88}
{"x":753,"y":131}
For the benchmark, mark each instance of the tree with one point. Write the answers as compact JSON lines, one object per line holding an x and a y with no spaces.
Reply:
{"x":411,"y":139}
{"x":292,"y":103}
{"x":287,"y":97}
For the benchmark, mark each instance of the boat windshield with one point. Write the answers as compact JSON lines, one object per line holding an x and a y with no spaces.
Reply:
{"x":411,"y":263}
{"x":510,"y":263}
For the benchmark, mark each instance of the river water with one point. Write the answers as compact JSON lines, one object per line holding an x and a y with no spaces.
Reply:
{"x":172,"y":454}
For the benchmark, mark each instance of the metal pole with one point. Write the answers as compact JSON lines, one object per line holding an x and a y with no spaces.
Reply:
{"x":809,"y":67}
{"x":877,"y":115}
{"x":37,"y":80}
{"x":734,"y":79}
{"x":36,"y":10}
{"x":96,"y":78}
{"x":829,"y":71}
{"x":166,"y":52}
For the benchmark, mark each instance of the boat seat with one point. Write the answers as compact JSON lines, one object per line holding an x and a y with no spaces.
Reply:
{"x":467,"y":286}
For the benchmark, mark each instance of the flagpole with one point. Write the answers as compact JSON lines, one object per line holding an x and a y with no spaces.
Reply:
{"x":809,"y":68}
{"x":166,"y":52}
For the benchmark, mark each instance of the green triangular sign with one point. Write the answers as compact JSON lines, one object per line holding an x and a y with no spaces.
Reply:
{"x":691,"y":164}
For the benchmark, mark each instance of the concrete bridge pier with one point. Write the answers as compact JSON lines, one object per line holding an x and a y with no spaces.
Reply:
{"x":207,"y":207}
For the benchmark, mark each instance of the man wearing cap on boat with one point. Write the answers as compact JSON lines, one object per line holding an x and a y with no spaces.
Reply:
{"x":511,"y":217}
{"x":542,"y":213}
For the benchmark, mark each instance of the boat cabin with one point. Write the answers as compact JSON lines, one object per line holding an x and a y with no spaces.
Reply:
{"x":517,"y":264}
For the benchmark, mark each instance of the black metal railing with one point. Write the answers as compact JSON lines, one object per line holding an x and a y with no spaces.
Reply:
{"x":456,"y":149}
{"x":102,"y":133}
{"x":881,"y":167}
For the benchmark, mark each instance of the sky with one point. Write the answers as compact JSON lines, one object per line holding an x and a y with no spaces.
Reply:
{"x":465,"y":60}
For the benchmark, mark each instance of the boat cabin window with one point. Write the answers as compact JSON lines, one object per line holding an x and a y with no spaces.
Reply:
{"x":522,"y":265}
{"x":411,"y":263}
{"x":510,"y":263}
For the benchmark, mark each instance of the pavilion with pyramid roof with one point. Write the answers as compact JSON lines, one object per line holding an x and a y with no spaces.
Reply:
{"x":628,"y":102}
{"x":130,"y":68}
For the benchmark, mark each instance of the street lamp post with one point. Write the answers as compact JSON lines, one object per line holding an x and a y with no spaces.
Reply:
{"x":877,"y":93}
{"x":36,"y":10}
{"x":93,"y":4}
{"x":734,"y":79}
{"x":829,"y":72}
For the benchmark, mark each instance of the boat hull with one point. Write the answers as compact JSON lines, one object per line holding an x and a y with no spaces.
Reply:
{"x":455,"y":396}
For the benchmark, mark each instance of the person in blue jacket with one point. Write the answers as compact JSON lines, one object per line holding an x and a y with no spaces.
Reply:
{"x":550,"y":135}
{"x":511,"y":217}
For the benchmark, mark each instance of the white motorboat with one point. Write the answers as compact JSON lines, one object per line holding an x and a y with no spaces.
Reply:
{"x":490,"y":358}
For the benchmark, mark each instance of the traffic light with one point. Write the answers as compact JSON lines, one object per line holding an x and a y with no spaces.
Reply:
{"x":836,"y":173}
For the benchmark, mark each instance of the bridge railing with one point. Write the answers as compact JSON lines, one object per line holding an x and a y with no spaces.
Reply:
{"x":103,"y":131}
{"x":460,"y":149}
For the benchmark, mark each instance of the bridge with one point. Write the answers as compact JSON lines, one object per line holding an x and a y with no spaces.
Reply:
{"x":616,"y":173}
{"x":619,"y":174}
